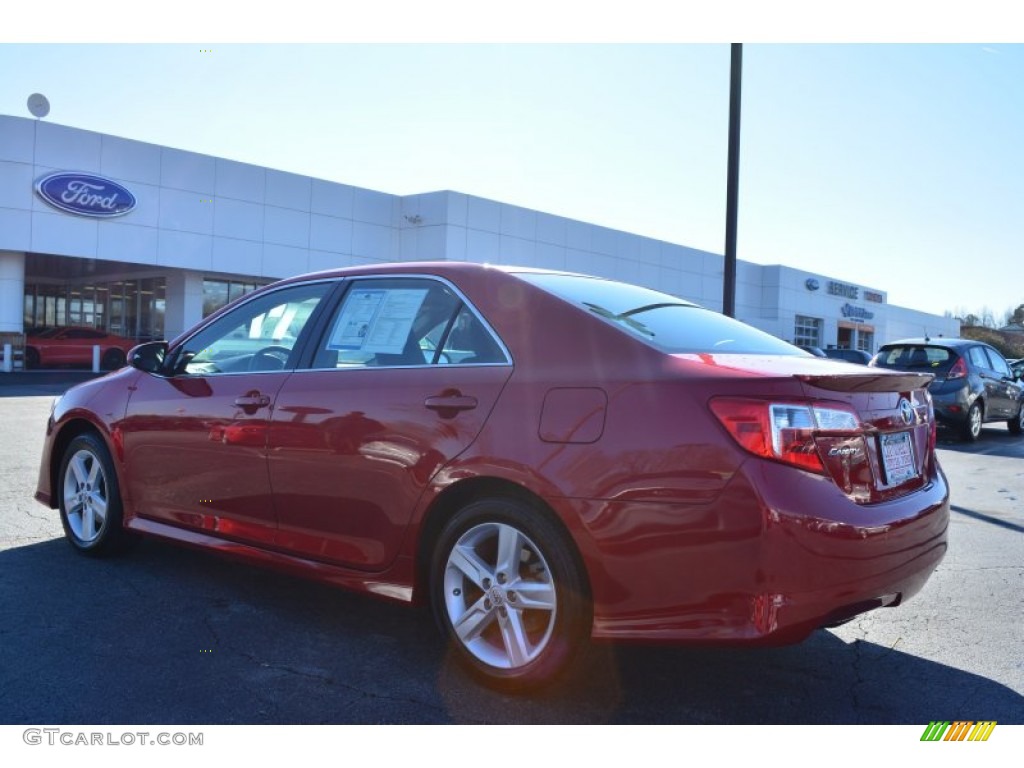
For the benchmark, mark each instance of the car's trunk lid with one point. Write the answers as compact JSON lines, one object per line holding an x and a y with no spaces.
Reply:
{"x":890,"y":451}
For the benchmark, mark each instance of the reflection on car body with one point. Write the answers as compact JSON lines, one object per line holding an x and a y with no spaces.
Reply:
{"x":543,"y":457}
{"x":74,"y":346}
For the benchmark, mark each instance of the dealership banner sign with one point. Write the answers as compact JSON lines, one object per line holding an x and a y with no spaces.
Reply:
{"x":85,"y":194}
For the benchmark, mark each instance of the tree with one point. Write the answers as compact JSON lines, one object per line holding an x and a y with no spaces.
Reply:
{"x":988,"y":320}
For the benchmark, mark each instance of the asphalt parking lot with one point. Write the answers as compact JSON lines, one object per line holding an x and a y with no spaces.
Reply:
{"x":173,"y":636}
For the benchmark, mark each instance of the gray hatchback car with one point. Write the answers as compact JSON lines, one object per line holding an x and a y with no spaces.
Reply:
{"x":973,"y":382}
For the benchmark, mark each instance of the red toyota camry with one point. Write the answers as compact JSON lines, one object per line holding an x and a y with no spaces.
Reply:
{"x":543,"y":457}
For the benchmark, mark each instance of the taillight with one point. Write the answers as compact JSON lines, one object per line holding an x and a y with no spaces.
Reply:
{"x":933,"y":433}
{"x":958,"y":371}
{"x":784,"y":431}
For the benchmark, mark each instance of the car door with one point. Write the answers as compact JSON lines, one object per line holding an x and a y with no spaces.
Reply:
{"x":195,"y":436}
{"x":1003,"y":383}
{"x":402,"y":381}
{"x":73,"y":346}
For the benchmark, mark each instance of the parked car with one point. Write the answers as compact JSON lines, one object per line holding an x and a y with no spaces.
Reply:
{"x":858,"y":356}
{"x":973,"y":382}
{"x":73,"y":346}
{"x":816,"y":351}
{"x":542,"y":457}
{"x":1017,"y":367}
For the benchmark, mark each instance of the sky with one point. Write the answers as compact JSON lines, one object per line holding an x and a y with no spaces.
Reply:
{"x":894,"y":165}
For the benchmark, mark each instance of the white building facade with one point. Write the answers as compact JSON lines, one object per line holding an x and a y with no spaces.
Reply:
{"x":184,"y":233}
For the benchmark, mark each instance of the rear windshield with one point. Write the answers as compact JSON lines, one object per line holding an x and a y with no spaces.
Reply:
{"x":915,"y":357}
{"x":666,"y":322}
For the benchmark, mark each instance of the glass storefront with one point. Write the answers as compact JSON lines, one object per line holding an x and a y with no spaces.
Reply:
{"x":217,"y":293}
{"x":129,"y":308}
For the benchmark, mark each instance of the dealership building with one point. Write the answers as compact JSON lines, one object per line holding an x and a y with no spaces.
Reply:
{"x":143,"y":241}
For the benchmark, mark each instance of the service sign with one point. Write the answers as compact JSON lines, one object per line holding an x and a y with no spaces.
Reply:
{"x":85,"y":194}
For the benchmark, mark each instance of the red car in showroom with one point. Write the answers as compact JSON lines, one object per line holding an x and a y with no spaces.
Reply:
{"x":74,"y":346}
{"x":542,"y":457}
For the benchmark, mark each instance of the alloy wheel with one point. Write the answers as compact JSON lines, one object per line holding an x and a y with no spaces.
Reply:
{"x":499,"y":595}
{"x":86,"y":495}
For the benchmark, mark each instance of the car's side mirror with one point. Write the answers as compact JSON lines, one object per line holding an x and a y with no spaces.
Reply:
{"x":148,"y":357}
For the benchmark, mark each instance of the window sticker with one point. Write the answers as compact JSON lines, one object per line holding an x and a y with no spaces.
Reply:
{"x":376,"y":321}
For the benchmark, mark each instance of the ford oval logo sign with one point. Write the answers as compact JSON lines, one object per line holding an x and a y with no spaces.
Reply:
{"x":85,"y":194}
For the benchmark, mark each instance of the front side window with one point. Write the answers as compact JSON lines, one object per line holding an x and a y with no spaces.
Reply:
{"x":999,"y":364}
{"x":259,"y":335}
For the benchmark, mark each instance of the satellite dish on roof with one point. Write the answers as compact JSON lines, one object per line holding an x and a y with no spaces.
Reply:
{"x":38,"y":105}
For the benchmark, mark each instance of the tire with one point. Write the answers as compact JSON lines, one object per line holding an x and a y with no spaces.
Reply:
{"x":1016,"y":426}
{"x":509,"y":594}
{"x":90,"y":498}
{"x":971,"y":429}
{"x":112,"y":360}
{"x":31,"y":358}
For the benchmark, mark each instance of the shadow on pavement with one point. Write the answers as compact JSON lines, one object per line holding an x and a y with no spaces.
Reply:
{"x":167,"y":635}
{"x":994,"y":441}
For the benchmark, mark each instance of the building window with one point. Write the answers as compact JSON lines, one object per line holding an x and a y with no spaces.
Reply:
{"x":866,"y":341}
{"x":217,"y":293}
{"x":807,"y":331}
{"x":130,"y":308}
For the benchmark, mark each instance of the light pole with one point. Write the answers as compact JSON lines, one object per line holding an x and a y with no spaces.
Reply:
{"x":733,"y":182}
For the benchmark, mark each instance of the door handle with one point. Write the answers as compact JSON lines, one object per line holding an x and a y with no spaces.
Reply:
{"x":447,"y":405}
{"x":250,"y":402}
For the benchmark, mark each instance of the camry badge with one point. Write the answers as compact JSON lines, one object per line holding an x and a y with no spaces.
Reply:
{"x":906,"y":411}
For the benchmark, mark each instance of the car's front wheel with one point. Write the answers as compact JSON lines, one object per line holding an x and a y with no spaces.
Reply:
{"x":509,"y":594}
{"x":1016,"y":425}
{"x":113,"y":359}
{"x":90,"y":498}
{"x":972,"y":426}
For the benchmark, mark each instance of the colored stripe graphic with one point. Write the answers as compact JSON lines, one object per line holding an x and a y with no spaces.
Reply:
{"x":982,"y":730}
{"x":934,"y":730}
{"x":958,"y":730}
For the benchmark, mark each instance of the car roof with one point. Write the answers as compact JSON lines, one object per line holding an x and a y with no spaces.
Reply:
{"x":956,"y":344}
{"x":440,"y":268}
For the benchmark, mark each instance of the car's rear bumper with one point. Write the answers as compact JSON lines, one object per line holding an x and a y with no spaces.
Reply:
{"x":951,"y":407}
{"x":750,"y":568}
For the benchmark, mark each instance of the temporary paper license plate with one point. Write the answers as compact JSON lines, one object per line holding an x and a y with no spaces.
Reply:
{"x":898,"y":458}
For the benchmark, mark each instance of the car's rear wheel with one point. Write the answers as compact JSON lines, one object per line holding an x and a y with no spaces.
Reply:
{"x":1016,"y":426}
{"x":31,"y":358}
{"x":508,"y":592}
{"x":972,"y":426}
{"x":90,"y":498}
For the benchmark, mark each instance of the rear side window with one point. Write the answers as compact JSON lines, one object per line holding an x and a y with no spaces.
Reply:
{"x":916,"y":357}
{"x":405,"y":323}
{"x":978,"y":358}
{"x":665,"y":322}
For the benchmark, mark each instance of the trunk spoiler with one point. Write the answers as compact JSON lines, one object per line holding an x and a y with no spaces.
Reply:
{"x":887,"y":381}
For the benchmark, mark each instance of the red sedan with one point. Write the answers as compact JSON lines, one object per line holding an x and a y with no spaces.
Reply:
{"x":73,"y":346}
{"x":543,"y":457}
